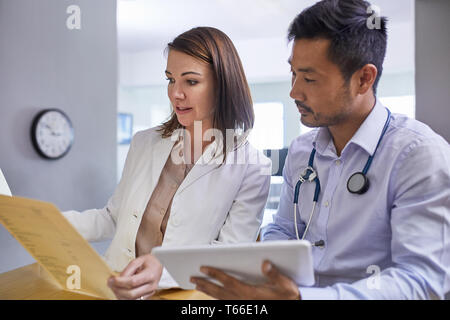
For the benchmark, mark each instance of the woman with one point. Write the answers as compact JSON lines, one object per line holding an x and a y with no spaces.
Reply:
{"x":183,"y":183}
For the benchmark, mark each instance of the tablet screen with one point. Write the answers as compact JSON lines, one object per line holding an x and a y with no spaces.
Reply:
{"x":243,"y":261}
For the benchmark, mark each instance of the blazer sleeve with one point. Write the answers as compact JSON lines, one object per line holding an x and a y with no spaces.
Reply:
{"x":100,"y":224}
{"x":282,"y":227}
{"x":245,"y":216}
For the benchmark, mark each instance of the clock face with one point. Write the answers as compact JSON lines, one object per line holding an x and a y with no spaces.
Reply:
{"x":52,"y":133}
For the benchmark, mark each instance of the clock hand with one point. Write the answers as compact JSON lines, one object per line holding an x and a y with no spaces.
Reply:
{"x":51,"y":129}
{"x":53,"y":133}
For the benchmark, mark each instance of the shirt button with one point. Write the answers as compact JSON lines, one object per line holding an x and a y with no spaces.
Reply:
{"x":326,"y":204}
{"x":175,"y":221}
{"x":338,"y":162}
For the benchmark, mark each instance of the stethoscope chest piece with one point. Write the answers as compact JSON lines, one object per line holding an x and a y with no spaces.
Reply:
{"x":358,"y":183}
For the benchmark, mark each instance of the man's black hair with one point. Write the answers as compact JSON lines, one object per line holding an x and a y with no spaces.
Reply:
{"x":353,"y":43}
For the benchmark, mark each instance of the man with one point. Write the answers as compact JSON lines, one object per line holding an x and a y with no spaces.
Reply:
{"x":387,"y":239}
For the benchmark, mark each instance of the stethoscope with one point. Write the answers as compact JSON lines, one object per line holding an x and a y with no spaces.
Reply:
{"x":358,"y":183}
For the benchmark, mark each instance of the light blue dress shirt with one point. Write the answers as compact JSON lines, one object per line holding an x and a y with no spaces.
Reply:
{"x":400,"y":226}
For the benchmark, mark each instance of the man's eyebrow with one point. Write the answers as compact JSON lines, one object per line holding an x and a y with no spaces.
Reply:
{"x":185,"y":73}
{"x":305,"y":70}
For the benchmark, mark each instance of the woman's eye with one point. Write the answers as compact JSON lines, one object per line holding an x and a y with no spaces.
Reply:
{"x":192,"y":82}
{"x":170,"y":80}
{"x":309,"y":80}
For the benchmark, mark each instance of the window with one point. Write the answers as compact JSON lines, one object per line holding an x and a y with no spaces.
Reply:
{"x":268,"y":130}
{"x":401,"y":104}
{"x":304,"y":129}
{"x":124,"y":128}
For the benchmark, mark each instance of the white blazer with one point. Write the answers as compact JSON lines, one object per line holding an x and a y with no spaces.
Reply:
{"x":214,"y":204}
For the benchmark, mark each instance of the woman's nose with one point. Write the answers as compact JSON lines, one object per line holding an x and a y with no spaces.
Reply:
{"x":177,"y":92}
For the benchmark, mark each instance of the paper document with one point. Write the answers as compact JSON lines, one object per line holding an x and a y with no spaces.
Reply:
{"x":56,"y":245}
{"x":4,"y":189}
{"x":166,"y":281}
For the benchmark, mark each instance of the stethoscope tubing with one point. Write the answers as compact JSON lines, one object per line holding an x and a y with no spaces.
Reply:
{"x":310,"y":175}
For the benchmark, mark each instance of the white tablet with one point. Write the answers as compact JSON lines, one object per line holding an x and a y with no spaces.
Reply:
{"x":243,"y":261}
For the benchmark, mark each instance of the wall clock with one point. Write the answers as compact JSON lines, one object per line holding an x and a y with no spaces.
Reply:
{"x":52,"y":133}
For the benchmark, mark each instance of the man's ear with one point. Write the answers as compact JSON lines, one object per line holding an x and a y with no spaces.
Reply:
{"x":366,"y":78}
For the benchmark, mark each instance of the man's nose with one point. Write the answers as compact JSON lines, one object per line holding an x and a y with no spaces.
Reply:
{"x":297,"y":91}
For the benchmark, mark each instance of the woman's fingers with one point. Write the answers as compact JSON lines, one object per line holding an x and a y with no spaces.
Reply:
{"x":144,"y":291}
{"x":132,"y":267}
{"x":139,"y":278}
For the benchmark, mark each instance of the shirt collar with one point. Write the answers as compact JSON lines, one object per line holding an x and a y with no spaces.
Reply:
{"x":366,"y":136}
{"x":323,"y":142}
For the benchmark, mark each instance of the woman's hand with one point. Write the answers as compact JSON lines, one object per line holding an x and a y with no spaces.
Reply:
{"x":139,"y":280}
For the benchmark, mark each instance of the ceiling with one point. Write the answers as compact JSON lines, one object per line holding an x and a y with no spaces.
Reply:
{"x":150,"y":24}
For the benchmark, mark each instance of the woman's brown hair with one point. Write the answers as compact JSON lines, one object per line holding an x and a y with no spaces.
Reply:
{"x":233,"y":107}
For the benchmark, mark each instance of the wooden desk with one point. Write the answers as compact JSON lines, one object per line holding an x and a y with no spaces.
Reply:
{"x":32,"y":282}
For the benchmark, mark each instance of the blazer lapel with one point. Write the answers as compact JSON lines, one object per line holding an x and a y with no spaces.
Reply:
{"x":160,"y":153}
{"x":210,"y":160}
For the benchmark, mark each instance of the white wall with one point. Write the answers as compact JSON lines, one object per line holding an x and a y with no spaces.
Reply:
{"x":433,"y":65}
{"x":264,"y":59}
{"x":45,"y":65}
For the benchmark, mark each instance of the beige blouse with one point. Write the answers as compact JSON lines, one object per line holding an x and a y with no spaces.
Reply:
{"x":154,"y":220}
